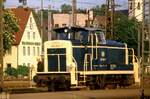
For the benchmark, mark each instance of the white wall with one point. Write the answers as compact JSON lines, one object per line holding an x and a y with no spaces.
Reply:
{"x":30,"y":60}
{"x":137,"y":9}
{"x":11,"y":58}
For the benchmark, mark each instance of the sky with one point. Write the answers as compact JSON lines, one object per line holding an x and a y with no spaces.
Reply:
{"x":85,"y":4}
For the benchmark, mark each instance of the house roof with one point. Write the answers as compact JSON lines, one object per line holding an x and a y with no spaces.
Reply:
{"x":22,"y":14}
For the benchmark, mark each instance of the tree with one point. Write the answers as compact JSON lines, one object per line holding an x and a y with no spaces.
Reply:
{"x":126,"y":30}
{"x":81,"y":10}
{"x":10,"y":27}
{"x":99,"y":10}
{"x":66,"y":8}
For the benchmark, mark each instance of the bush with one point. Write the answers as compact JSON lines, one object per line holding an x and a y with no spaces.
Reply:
{"x":11,"y":71}
{"x":23,"y":70}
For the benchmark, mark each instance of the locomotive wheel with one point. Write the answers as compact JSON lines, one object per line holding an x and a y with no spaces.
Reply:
{"x":61,"y":83}
{"x":91,"y":86}
{"x":51,"y":86}
{"x":35,"y":79}
{"x":111,"y":86}
{"x":100,"y":82}
{"x":91,"y":83}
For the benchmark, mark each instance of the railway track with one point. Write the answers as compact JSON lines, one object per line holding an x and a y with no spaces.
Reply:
{"x":28,"y":86}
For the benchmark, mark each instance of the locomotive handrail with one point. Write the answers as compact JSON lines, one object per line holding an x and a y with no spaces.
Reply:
{"x":85,"y":66}
{"x":55,"y":54}
{"x":92,"y":45}
{"x":133,"y":56}
{"x":76,"y":69}
{"x":85,"y":62}
{"x":100,"y":47}
{"x":96,"y":45}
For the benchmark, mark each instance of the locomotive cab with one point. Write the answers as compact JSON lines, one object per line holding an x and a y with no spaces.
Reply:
{"x":80,"y":36}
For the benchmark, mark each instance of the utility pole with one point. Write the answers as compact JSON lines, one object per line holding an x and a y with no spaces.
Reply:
{"x":1,"y":45}
{"x":145,"y":44}
{"x":90,"y":17}
{"x":74,"y":15}
{"x":50,"y":25}
{"x":110,"y":8}
{"x":42,"y":46}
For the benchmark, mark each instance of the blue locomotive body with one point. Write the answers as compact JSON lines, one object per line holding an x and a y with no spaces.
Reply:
{"x":82,"y":56}
{"x":107,"y":59}
{"x":105,"y":55}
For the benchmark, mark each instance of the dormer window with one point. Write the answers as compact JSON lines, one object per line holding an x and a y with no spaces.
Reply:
{"x":31,"y":23}
{"x":56,"y":25}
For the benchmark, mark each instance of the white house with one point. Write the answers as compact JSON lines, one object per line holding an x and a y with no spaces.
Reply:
{"x":27,"y":47}
{"x":135,"y":9}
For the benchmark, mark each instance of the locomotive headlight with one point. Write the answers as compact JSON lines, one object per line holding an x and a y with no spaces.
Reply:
{"x":66,"y":30}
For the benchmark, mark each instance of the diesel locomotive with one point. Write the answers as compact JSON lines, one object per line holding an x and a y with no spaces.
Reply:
{"x":83,"y":57}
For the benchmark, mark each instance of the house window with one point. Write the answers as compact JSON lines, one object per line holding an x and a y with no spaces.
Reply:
{"x":9,"y":51}
{"x":138,"y":6}
{"x":33,"y":35}
{"x":38,"y":51}
{"x":28,"y":34}
{"x":56,"y":25}
{"x":63,"y":25}
{"x":29,"y":51}
{"x":28,"y":64}
{"x":130,"y":6}
{"x":24,"y":51}
{"x":8,"y":65}
{"x":33,"y":51}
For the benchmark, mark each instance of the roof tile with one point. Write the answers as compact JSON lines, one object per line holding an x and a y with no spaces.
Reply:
{"x":23,"y":15}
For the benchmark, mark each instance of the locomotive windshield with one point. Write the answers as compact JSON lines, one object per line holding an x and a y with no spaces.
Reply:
{"x":82,"y":35}
{"x":71,"y":35}
{"x":101,"y":37}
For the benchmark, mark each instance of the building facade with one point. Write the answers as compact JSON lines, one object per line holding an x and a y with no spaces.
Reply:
{"x":62,"y":20}
{"x":135,"y":9}
{"x":147,"y":11}
{"x":27,"y":46}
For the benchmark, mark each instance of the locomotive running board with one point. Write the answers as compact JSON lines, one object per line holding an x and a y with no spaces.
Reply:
{"x":104,"y":72}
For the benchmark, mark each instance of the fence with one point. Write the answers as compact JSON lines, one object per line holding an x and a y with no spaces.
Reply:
{"x":4,"y":95}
